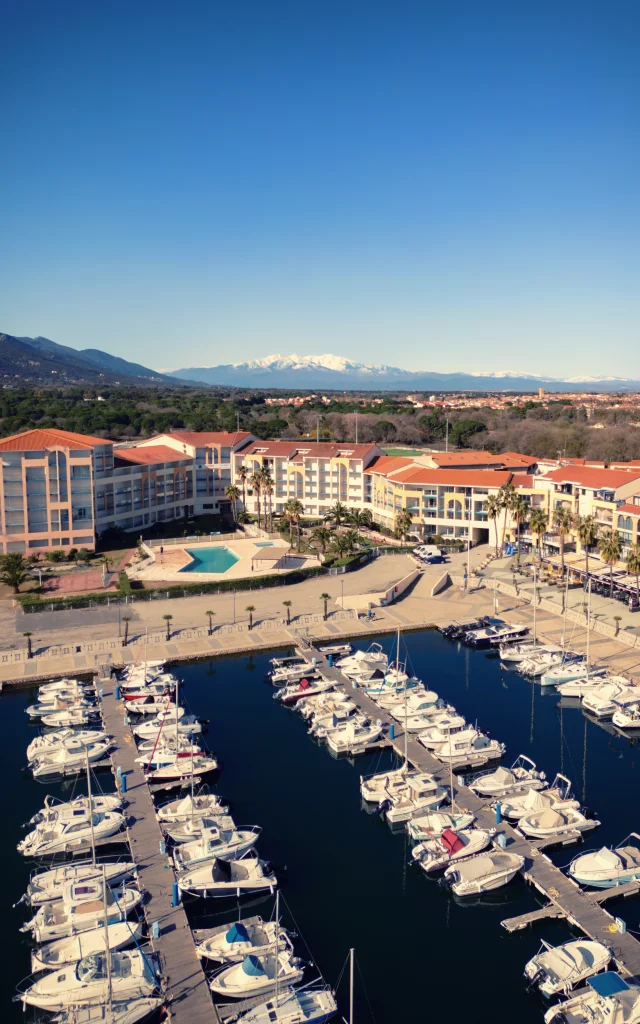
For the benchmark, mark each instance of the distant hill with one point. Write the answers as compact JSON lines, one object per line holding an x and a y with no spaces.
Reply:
{"x":339,"y":374}
{"x":42,"y":361}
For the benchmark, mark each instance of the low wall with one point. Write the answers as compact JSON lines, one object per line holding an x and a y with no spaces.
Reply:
{"x":361,"y":602}
{"x":440,"y":584}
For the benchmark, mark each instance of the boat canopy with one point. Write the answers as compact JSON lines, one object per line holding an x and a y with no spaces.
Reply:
{"x":252,"y":966}
{"x":536,"y":801}
{"x":451,"y":842}
{"x":237,"y":933}
{"x":607,"y":858}
{"x":503,"y":776}
{"x":551,"y":819}
{"x":608,"y":984}
{"x":304,"y":684}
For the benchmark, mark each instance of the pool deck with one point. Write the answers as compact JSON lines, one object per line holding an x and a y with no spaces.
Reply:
{"x":170,"y":565}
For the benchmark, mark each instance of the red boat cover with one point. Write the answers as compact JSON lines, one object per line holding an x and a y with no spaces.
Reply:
{"x":304,"y":684}
{"x":451,"y":842}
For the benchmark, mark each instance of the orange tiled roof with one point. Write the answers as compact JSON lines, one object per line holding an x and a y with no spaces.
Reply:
{"x":594,"y":479}
{"x":492,"y":478}
{"x":39,"y":440}
{"x":629,"y":510}
{"x":202,"y":438}
{"x":475,"y":458}
{"x":385,"y":464}
{"x":148,"y":456}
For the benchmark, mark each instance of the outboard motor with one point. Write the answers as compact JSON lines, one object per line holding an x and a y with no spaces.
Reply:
{"x":538,"y":977}
{"x":383,"y":807}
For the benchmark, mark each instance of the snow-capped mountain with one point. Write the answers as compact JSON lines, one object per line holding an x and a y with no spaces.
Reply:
{"x":337,"y":373}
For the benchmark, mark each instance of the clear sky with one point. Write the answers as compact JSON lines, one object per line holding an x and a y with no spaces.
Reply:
{"x":435,"y":185}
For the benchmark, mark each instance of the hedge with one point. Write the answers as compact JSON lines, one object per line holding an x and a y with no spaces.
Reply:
{"x":124,"y":583}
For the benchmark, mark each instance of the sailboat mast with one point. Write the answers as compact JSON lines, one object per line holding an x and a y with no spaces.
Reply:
{"x":107,"y":951}
{"x":588,"y":628}
{"x":351,"y":960}
{"x":90,"y":804}
{"x":277,"y":934}
{"x":564,"y":618}
{"x":535,"y":632}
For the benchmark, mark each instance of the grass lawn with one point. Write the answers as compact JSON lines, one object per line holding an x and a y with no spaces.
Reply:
{"x":408,"y":452}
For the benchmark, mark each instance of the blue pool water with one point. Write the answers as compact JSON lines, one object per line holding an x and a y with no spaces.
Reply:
{"x":218,"y":559}
{"x":265,"y":544}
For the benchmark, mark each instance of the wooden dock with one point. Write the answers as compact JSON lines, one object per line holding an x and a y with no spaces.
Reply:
{"x":583,"y":909}
{"x":188,"y":995}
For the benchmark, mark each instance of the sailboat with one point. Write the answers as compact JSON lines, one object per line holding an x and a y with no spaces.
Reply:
{"x":125,"y":974}
{"x":51,"y":885}
{"x":72,"y":830}
{"x":77,"y":947}
{"x":54,"y":807}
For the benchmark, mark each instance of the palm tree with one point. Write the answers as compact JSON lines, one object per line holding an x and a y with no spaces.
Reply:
{"x":256,"y":483}
{"x":563,"y":521}
{"x":492,"y":508}
{"x":287,"y":605}
{"x":633,"y":565}
{"x":538,"y":522}
{"x":251,"y":609}
{"x":29,"y":649}
{"x":360,"y":518}
{"x":126,"y":619}
{"x":340,"y":544}
{"x":506,"y":496}
{"x":403,"y":523}
{"x":167,"y":619}
{"x":610,"y":547}
{"x":325,"y":598}
{"x":233,"y":493}
{"x":323,"y":536}
{"x":295,"y":511}
{"x":210,"y":615}
{"x":587,"y":528}
{"x":13,"y":571}
{"x":337,"y":513}
{"x":520,"y":512}
{"x":288,"y":516}
{"x":267,"y":489}
{"x":243,"y":473}
{"x":352,"y":539}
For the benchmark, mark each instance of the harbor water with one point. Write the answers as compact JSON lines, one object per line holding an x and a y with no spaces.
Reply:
{"x":345,"y":876}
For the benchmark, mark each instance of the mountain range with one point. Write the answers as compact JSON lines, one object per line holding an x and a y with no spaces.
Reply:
{"x":337,"y":373}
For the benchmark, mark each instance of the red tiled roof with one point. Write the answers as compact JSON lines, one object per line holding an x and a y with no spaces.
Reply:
{"x":460,"y":478}
{"x":151,"y":455}
{"x":385,"y":464}
{"x":202,"y":438}
{"x":298,"y":450}
{"x":594,"y":479}
{"x":629,"y":510}
{"x":39,"y":440}
{"x":480,"y":458}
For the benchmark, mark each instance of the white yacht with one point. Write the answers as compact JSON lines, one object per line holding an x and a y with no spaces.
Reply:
{"x":484,"y":873}
{"x":129,"y":1011}
{"x":152,"y":703}
{"x":322,"y":724}
{"x":80,"y":909}
{"x":607,"y":868}
{"x":68,"y":951}
{"x":554,"y":821}
{"x":185,"y":808}
{"x":556,"y":970}
{"x":305,"y":688}
{"x":374,"y":656}
{"x":188,"y":725}
{"x":52,"y":884}
{"x":557,"y":795}
{"x":354,"y":736}
{"x":610,"y":697}
{"x":69,"y":718}
{"x":416,"y":700}
{"x":220,"y":840}
{"x":70,"y":832}
{"x":53,"y":807}
{"x":493,"y":635}
{"x":605,"y":999}
{"x":434,"y":823}
{"x":294,"y":1006}
{"x":222,"y":878}
{"x":288,"y":674}
{"x":373,"y":787}
{"x":516,"y":653}
{"x":581,"y":687}
{"x":469,"y":749}
{"x":243,"y":938}
{"x":450,"y":847}
{"x":69,"y":759}
{"x":541,"y":664}
{"x":521,"y":776}
{"x":627,"y":717}
{"x":183,"y":768}
{"x":129,"y":975}
{"x":419,"y":794}
{"x":257,"y":975}
{"x":439,"y":734}
{"x":58,"y":703}
{"x":49,"y":740}
{"x":321,"y":704}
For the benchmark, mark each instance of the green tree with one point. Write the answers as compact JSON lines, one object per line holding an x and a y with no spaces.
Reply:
{"x":463,"y":430}
{"x":586,"y":528}
{"x":13,"y":571}
{"x":493,"y":508}
{"x":256,"y":483}
{"x":294,"y":511}
{"x":287,"y":605}
{"x":538,"y":522}
{"x":210,"y":615}
{"x":243,"y":475}
{"x":506,"y":496}
{"x":267,"y":490}
{"x":326,"y":598}
{"x":126,"y":619}
{"x":340,"y":544}
{"x":384,"y":430}
{"x":167,"y":619}
{"x":337,"y":513}
{"x":563,"y":522}
{"x":633,"y":565}
{"x":520,"y":512}
{"x":352,"y":539}
{"x":323,"y":536}
{"x":251,"y":609}
{"x":610,"y":547}
{"x":403,"y":523}
{"x":360,"y":518}
{"x":233,"y":493}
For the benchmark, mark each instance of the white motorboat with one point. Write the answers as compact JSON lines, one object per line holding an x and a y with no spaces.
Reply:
{"x":80,"y":909}
{"x":168,"y":741}
{"x":439,"y":734}
{"x":76,"y":947}
{"x":162,"y":755}
{"x":154,"y":727}
{"x":581,"y":687}
{"x":219,"y":841}
{"x":307,"y":687}
{"x":419,"y":794}
{"x":541,"y":665}
{"x":177,"y":812}
{"x":71,"y":831}
{"x":373,"y":787}
{"x":554,"y":822}
{"x":373,"y":657}
{"x":243,"y":938}
{"x":130,"y":975}
{"x":606,"y":999}
{"x":607,"y":868}
{"x":69,"y":759}
{"x":627,"y":718}
{"x":558,"y":969}
{"x":610,"y":697}
{"x":188,"y":831}
{"x":394,"y":682}
{"x":423,"y":702}
{"x":322,"y":724}
{"x":557,"y":795}
{"x":516,"y":653}
{"x":321,"y":704}
{"x":130,"y":1011}
{"x":54,"y":807}
{"x":257,"y":975}
{"x":49,"y":740}
{"x":418,"y":699}
{"x":335,"y":650}
{"x":183,"y":768}
{"x":469,"y":749}
{"x":450,"y":847}
{"x":58,"y":685}
{"x":566,"y":672}
{"x":70,"y":718}
{"x":492,"y":636}
{"x":354,"y":736}
{"x":289,"y":659}
{"x":522,"y":775}
{"x":302,"y":1006}
{"x":436,"y":822}
{"x":426,"y":720}
{"x":484,"y":873}
{"x":59,"y":703}
{"x":286,"y":675}
{"x":152,"y":703}
{"x":52,"y":884}
{"x":222,"y":878}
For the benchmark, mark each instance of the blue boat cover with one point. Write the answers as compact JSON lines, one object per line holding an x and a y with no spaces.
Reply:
{"x":608,"y":984}
{"x":252,"y":966}
{"x":237,"y":933}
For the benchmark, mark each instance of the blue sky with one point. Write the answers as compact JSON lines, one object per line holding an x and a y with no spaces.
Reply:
{"x":439,"y":186}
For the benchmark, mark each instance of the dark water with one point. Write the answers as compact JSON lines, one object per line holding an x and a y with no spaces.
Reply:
{"x":345,"y":876}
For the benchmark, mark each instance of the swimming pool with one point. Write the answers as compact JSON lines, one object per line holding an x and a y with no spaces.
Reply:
{"x":264,"y":544}
{"x":217,"y":559}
